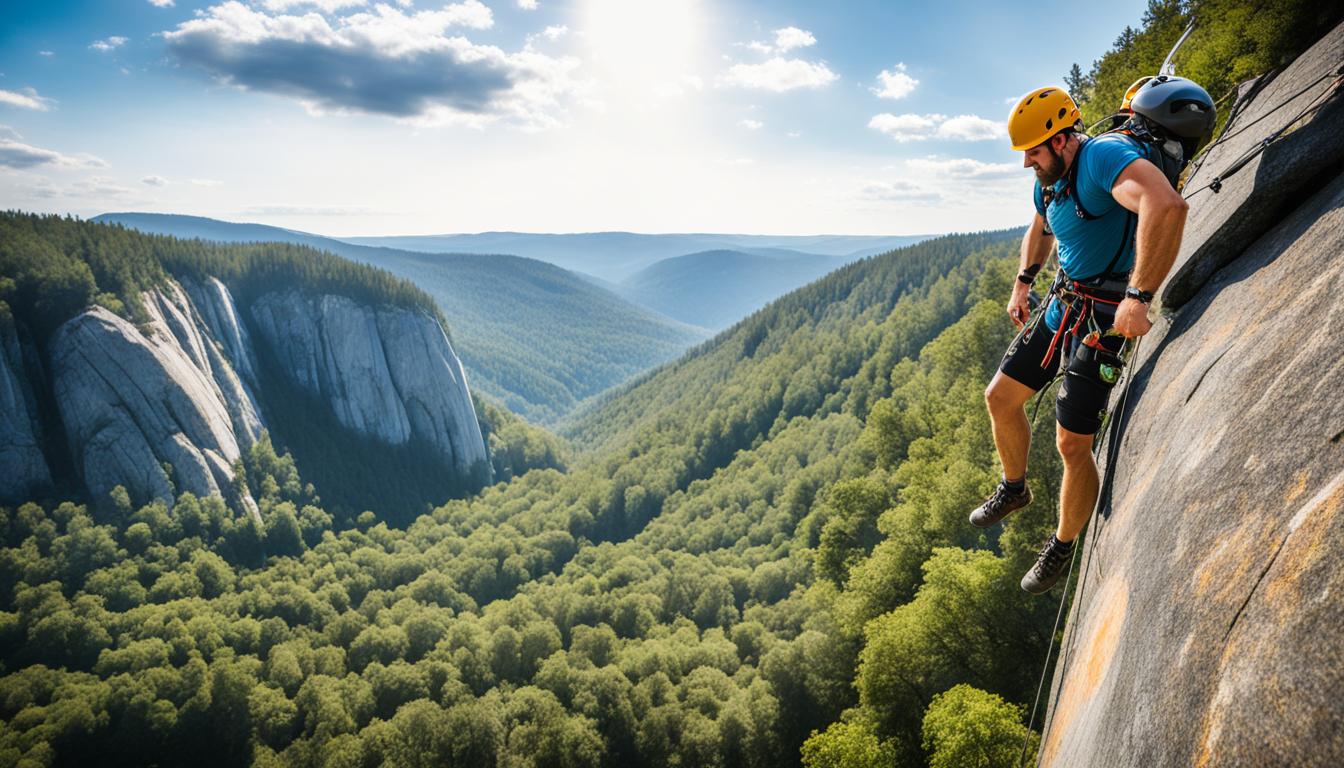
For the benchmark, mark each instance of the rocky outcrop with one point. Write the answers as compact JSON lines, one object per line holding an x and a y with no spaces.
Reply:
{"x":1206,"y":630}
{"x":136,"y":406}
{"x":1220,"y":225}
{"x":23,"y":467}
{"x":215,"y":305}
{"x":171,"y":405}
{"x":386,"y":372}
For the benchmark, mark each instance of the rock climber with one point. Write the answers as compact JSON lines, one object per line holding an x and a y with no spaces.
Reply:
{"x":1117,"y":219}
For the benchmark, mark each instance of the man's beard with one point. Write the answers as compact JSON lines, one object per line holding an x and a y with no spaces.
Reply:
{"x":1052,"y":172}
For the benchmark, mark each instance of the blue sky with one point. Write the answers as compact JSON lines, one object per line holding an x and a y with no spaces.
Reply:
{"x":347,"y":117}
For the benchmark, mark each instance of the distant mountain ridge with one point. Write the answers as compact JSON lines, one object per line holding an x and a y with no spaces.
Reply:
{"x":532,"y":335}
{"x":615,"y":256}
{"x":717,"y":288}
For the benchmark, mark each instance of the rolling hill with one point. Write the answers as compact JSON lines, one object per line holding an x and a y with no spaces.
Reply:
{"x":615,"y":256}
{"x":715,"y":289}
{"x":536,"y":337}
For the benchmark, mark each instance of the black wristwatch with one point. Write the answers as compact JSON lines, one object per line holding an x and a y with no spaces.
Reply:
{"x":1134,"y":293}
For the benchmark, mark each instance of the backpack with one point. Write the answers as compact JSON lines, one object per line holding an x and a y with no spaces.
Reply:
{"x":1167,"y":154}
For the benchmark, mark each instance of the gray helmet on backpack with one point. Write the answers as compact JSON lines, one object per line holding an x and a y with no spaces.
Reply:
{"x":1179,"y":106}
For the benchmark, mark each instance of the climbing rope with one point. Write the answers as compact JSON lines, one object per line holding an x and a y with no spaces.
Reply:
{"x":1092,"y":535}
{"x":1246,"y":157}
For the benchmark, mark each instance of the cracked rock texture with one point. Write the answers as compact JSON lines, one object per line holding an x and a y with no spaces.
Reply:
{"x":131,"y":403}
{"x":387,"y":372}
{"x":23,"y":467}
{"x":180,"y":392}
{"x":1207,"y":629}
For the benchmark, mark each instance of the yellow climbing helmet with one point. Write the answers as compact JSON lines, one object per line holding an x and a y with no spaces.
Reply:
{"x":1041,"y":114}
{"x":1133,"y":89}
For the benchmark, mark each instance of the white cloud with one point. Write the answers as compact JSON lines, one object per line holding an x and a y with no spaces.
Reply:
{"x":899,"y":191}
{"x":528,"y":5}
{"x":788,"y":38}
{"x":206,"y":182}
{"x":750,"y":125}
{"x":555,"y":32}
{"x":779,"y":74}
{"x":306,"y":210}
{"x":108,"y":43}
{"x":155,"y":181}
{"x":971,"y":128}
{"x":963,"y":168}
{"x":47,"y":54}
{"x":407,"y":65}
{"x":911,"y":127}
{"x":9,"y":133}
{"x":326,"y":6}
{"x":794,"y":134}
{"x":894,"y":83}
{"x":907,"y":127}
{"x":16,"y":154}
{"x":26,"y":99}
{"x":97,"y":186}
{"x":945,"y":182}
{"x":161,"y":3}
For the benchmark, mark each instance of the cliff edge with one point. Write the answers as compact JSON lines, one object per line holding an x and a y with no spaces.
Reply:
{"x":1206,"y":629}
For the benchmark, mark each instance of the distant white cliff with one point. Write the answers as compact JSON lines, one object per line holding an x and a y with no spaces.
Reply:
{"x":23,"y":469}
{"x":170,"y":406}
{"x":386,"y":372}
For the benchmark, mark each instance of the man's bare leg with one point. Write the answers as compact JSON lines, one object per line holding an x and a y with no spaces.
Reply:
{"x":1078,"y":490}
{"x":1006,"y":399}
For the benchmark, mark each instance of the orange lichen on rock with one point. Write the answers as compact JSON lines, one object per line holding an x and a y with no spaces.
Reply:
{"x":1307,"y":544}
{"x":1100,"y":637}
{"x":1299,"y":486}
{"x":1228,"y":566}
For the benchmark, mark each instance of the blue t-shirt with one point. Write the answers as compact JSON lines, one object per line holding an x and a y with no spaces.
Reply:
{"x":1087,"y":246}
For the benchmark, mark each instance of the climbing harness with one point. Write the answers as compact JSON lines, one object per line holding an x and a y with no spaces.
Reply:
{"x":1079,"y":299}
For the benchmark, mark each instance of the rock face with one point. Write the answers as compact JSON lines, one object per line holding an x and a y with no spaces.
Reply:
{"x":23,"y":467}
{"x":130,"y":403}
{"x":182,"y":393}
{"x":388,"y":373}
{"x":1221,"y":225}
{"x":1206,"y":631}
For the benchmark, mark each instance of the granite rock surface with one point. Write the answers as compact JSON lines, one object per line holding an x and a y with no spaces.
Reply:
{"x":1206,"y":630}
{"x":388,"y":373}
{"x":23,"y":467}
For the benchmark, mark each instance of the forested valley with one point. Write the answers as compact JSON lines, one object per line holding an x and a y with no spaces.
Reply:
{"x":762,"y":542}
{"x":756,"y":555}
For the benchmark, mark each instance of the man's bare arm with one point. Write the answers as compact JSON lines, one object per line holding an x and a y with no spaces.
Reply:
{"x":1036,"y":246}
{"x":1036,"y":243}
{"x":1143,"y":189}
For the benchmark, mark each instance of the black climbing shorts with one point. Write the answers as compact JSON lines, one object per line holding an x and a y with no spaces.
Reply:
{"x":1080,"y":404}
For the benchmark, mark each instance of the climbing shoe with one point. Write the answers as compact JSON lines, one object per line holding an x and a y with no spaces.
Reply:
{"x":1000,"y":504}
{"x":1049,"y":565}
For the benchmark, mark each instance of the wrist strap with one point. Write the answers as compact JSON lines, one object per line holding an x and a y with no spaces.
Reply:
{"x":1028,"y":275}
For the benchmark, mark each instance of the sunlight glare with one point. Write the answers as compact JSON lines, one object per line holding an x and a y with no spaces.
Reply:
{"x":645,"y":52}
